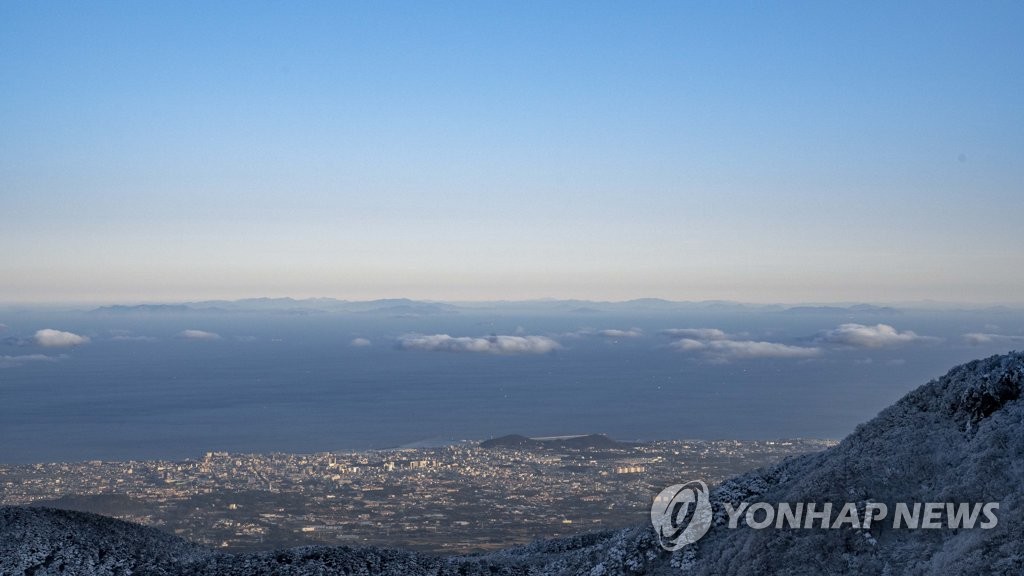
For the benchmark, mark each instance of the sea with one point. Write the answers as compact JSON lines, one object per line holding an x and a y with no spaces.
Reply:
{"x":174,"y":385}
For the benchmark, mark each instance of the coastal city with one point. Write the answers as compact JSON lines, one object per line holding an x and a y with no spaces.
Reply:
{"x":461,"y":497}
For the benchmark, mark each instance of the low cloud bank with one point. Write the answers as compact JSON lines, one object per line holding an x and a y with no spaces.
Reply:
{"x":696,"y":333}
{"x":12,"y":361}
{"x":198,"y":335}
{"x":862,"y":336}
{"x":718,"y":346}
{"x":614,"y":333}
{"x":979,"y":338}
{"x":745,"y":349}
{"x":51,"y":338}
{"x":488,"y":345}
{"x":606,"y":333}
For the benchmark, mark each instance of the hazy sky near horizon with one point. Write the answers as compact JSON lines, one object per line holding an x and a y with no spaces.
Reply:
{"x":791,"y":151}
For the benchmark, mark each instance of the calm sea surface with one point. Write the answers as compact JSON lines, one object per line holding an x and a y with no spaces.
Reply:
{"x":275,"y":382}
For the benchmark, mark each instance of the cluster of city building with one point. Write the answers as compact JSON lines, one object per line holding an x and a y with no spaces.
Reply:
{"x":457,"y":498}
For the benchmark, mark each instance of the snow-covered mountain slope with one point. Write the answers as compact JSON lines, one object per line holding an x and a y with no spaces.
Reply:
{"x":46,"y":541}
{"x":957,"y":439}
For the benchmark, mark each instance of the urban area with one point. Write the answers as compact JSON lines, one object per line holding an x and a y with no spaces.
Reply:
{"x":461,"y":497}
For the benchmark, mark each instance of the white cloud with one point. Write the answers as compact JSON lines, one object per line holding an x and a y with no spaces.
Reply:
{"x":361,"y":342}
{"x":696,"y":333}
{"x":718,"y":346}
{"x":725,"y":350}
{"x":130,"y":338}
{"x":689,"y":344}
{"x":607,"y":333}
{"x":11,"y":361}
{"x":51,"y":338}
{"x":613,"y":333}
{"x":979,"y":338}
{"x":488,"y":345}
{"x":198,"y":335}
{"x":976,"y":338}
{"x":862,"y":336}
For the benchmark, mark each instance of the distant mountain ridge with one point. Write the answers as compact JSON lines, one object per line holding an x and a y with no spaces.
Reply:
{"x":955,"y":439}
{"x":863,"y":309}
{"x":291,"y":306}
{"x":412,"y":307}
{"x":154,"y":309}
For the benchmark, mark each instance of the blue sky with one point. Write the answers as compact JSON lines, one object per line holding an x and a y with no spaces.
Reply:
{"x":754,"y":151}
